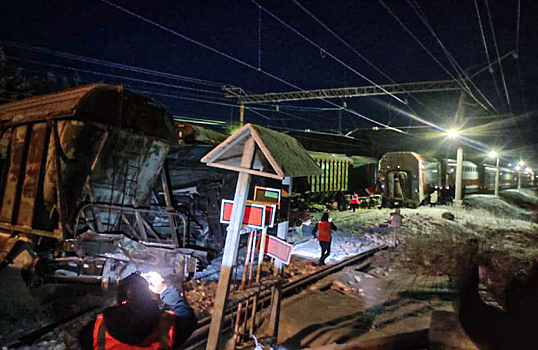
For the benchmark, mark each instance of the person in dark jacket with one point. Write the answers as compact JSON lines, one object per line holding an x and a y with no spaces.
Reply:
{"x":324,"y":236}
{"x":141,"y":319}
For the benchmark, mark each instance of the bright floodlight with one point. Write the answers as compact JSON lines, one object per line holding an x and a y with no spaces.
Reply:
{"x":528,"y":170}
{"x":452,"y":133}
{"x":493,"y":154}
{"x":521,"y":163}
{"x":518,"y":168}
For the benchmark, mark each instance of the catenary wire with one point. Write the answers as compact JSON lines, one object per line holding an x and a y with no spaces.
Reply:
{"x":114,"y":76}
{"x":184,"y":37}
{"x":487,"y":51}
{"x":224,"y":104}
{"x":517,"y":25}
{"x":111,"y":64}
{"x":163,"y":84}
{"x":364,"y":58}
{"x":327,"y":52}
{"x":498,"y":55}
{"x":430,"y":53}
{"x":465,"y":78}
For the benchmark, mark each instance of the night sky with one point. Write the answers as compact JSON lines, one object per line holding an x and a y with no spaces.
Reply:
{"x":243,"y":30}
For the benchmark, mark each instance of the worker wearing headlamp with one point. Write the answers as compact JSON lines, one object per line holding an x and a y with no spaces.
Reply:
{"x":138,"y":321}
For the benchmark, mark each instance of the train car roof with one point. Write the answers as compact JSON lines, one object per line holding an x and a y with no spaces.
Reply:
{"x":330,"y":157}
{"x":415,"y":155}
{"x":465,"y":162}
{"x":102,"y":103}
{"x":359,"y":161}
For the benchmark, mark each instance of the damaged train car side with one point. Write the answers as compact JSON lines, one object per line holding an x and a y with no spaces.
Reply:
{"x":79,"y":173}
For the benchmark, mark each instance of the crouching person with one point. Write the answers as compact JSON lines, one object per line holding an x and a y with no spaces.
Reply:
{"x":138,"y":321}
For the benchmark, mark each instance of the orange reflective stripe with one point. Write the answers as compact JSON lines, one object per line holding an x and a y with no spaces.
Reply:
{"x":171,"y":336}
{"x":96,"y":331}
{"x":162,"y":337}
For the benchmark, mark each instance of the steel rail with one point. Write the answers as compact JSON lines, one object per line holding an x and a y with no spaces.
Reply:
{"x":30,"y":338}
{"x":199,"y":336}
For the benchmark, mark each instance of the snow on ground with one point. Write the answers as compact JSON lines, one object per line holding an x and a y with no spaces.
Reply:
{"x":343,"y":245}
{"x":498,"y":207}
{"x":479,"y":212}
{"x":525,"y":197}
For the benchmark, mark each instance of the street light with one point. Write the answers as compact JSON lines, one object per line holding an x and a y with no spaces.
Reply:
{"x":518,"y":168}
{"x":453,"y":134}
{"x":494,"y":154}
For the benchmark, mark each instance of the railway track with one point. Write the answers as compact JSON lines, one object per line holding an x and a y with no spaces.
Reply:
{"x":199,"y":336}
{"x":31,"y":337}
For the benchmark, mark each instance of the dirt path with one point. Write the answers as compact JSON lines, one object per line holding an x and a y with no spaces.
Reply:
{"x":353,"y":305}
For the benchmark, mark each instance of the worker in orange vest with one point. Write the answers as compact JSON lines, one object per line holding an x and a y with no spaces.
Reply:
{"x":324,"y":236}
{"x":354,"y":202}
{"x":138,"y":322}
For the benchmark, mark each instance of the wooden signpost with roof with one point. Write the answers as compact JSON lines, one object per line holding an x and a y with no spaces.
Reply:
{"x":252,"y":150}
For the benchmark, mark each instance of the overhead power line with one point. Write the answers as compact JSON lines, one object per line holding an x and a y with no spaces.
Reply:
{"x":430,"y":53}
{"x":363,"y":58}
{"x":235,"y":59}
{"x":64,"y":67}
{"x":253,"y":109}
{"x":517,"y":25}
{"x":461,"y":72}
{"x":487,"y":51}
{"x":111,"y":64}
{"x":327,"y":52}
{"x":498,"y":55}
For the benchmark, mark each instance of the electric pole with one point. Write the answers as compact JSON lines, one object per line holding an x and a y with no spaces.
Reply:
{"x":460,"y":116}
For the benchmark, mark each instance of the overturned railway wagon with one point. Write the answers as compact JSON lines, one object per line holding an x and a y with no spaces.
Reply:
{"x":79,"y":174}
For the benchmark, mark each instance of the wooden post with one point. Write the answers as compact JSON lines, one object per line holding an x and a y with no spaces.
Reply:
{"x":258,"y":277}
{"x":230,"y":247}
{"x":242,"y":287}
{"x":282,"y":233}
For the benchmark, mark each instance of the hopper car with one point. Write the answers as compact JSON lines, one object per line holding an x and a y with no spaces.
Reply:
{"x":85,"y":189}
{"x":341,"y":176}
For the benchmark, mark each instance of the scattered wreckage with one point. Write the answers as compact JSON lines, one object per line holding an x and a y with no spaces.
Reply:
{"x":86,"y":189}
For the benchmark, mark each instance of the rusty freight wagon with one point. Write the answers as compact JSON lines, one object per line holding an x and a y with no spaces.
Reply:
{"x":79,"y":174}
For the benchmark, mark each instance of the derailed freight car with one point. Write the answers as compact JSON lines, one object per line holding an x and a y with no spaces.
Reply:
{"x":341,"y":176}
{"x":79,"y":172}
{"x":331,"y":184}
